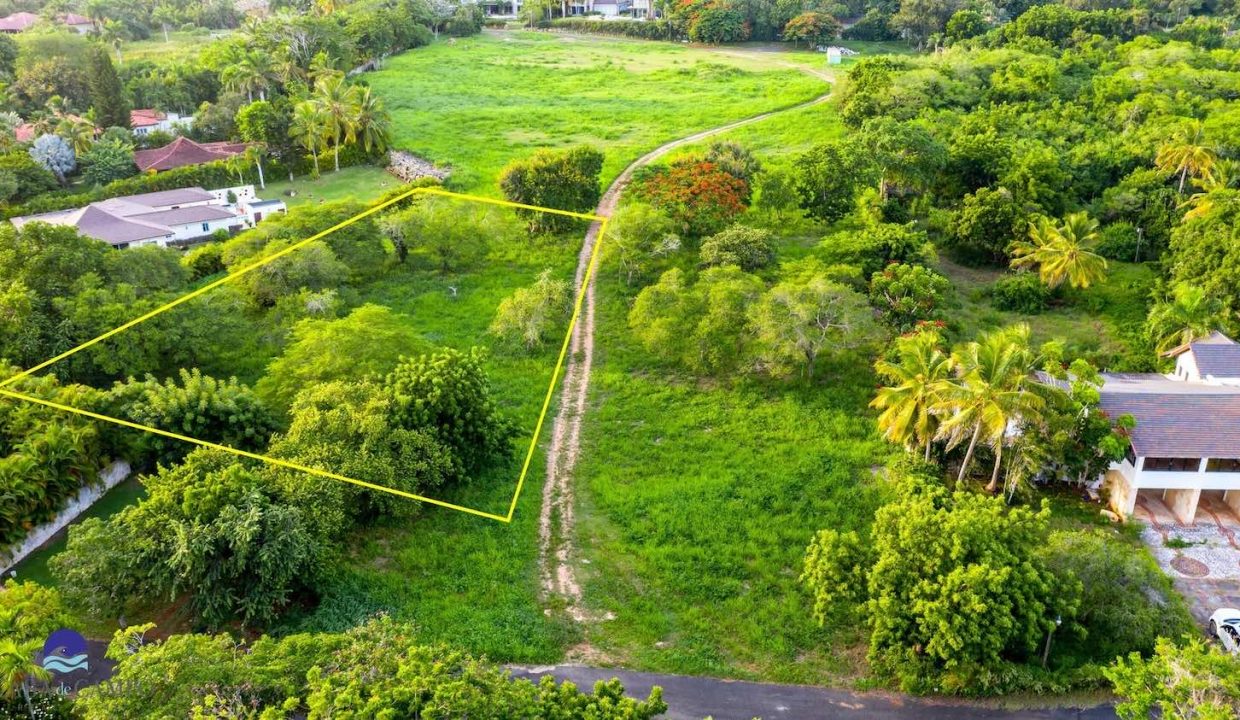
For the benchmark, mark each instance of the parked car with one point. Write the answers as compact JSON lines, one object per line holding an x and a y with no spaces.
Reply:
{"x":1225,"y":625}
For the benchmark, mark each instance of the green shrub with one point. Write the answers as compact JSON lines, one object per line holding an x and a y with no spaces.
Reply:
{"x":746,"y":247}
{"x":1021,"y":292}
{"x":562,"y":180}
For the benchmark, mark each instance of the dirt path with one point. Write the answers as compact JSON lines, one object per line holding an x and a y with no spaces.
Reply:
{"x":556,"y":521}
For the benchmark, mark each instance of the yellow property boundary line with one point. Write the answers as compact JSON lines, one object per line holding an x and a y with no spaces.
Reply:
{"x":529,"y":455}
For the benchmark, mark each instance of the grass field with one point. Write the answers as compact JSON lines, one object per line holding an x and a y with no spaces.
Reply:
{"x":180,"y":45}
{"x":363,"y":182}
{"x":462,"y":579}
{"x":479,"y":102}
{"x":697,"y":500}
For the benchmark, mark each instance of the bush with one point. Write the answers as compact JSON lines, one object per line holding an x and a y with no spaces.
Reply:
{"x":875,"y":247}
{"x":1119,"y":242}
{"x":874,"y":26}
{"x":987,"y":223}
{"x":718,"y":21}
{"x":562,"y":180}
{"x":1022,"y":292}
{"x":204,"y":260}
{"x":746,"y":247}
{"x":529,"y":315}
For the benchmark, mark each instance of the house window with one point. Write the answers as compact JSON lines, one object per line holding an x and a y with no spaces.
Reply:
{"x":1156,"y":464}
{"x":206,"y":227}
{"x":1131,"y":456}
{"x":1231,"y":465}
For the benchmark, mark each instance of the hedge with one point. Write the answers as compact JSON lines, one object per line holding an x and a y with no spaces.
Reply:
{"x":642,"y":29}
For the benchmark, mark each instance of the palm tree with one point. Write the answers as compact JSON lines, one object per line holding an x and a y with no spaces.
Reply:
{"x":373,"y":122}
{"x":1185,"y":154}
{"x":993,"y":390}
{"x":248,"y":72}
{"x":254,"y":154}
{"x":337,"y":101}
{"x":918,"y":378}
{"x":165,"y":15}
{"x":1224,"y":176}
{"x":1192,"y":313}
{"x":113,"y":33}
{"x":1060,"y":252}
{"x":309,"y":129}
{"x":80,"y":133}
{"x":17,"y":665}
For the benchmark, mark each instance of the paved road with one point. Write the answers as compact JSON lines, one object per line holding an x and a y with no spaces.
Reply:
{"x":693,"y":698}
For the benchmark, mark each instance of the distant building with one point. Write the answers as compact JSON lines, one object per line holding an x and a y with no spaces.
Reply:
{"x":169,"y":217}
{"x":626,"y":9}
{"x":22,"y":21}
{"x":182,"y":152}
{"x":147,"y":121}
{"x":1186,"y":442}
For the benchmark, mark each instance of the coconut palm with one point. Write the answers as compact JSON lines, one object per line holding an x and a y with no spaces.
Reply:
{"x":165,"y":15}
{"x":373,"y":122}
{"x":1061,"y":253}
{"x":309,"y":129}
{"x":254,"y":154}
{"x":1186,"y":154}
{"x":80,"y":133}
{"x":17,"y":665}
{"x":918,"y":377}
{"x":248,"y":72}
{"x":337,"y":102}
{"x":1191,"y":313}
{"x":994,"y":389}
{"x":1222,"y":178}
{"x":112,"y":32}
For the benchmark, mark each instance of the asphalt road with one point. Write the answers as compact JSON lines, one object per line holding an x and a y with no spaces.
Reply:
{"x":694,"y":698}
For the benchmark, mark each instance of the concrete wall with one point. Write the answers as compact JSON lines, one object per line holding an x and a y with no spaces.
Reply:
{"x":110,"y":477}
{"x":1121,"y":495}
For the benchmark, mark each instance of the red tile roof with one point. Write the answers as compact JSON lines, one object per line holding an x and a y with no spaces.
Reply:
{"x":182,"y":152}
{"x":18,"y":22}
{"x":142,"y":118}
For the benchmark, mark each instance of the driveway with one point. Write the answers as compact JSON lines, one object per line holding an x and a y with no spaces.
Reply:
{"x":694,"y":698}
{"x":1202,"y":559}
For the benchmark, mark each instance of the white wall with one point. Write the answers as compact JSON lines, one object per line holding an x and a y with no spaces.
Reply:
{"x":110,"y":477}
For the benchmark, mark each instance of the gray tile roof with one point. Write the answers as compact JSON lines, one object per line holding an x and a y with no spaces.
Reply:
{"x":181,"y":216}
{"x":116,"y":230}
{"x":1176,"y":418}
{"x":1219,"y":360}
{"x":170,"y":197}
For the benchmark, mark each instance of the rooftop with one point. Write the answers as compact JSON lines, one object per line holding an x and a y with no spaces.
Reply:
{"x":1182,"y":425}
{"x":124,"y":220}
{"x":182,"y":152}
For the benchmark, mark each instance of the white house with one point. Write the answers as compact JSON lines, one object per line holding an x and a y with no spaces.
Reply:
{"x":169,"y":217}
{"x":146,"y":121}
{"x":1186,"y":442}
{"x":626,"y":9}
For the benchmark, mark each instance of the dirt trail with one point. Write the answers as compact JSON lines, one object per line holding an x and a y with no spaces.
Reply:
{"x":555,"y":541}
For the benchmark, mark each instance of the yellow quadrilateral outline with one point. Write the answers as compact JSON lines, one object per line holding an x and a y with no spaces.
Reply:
{"x":546,"y":406}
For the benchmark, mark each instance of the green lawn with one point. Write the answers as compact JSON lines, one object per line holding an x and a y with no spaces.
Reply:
{"x":477,"y":103}
{"x":363,"y":182}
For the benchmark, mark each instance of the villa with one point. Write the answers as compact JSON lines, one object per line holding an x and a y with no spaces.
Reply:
{"x":627,"y":9}
{"x":1186,"y":443}
{"x":147,"y":120}
{"x":167,"y":218}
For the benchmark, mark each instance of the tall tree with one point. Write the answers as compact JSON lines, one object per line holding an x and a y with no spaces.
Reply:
{"x":1190,"y":313}
{"x":919,"y":377}
{"x":337,"y":104}
{"x":107,"y":95}
{"x":373,"y":122}
{"x":309,"y":129}
{"x":994,"y":389}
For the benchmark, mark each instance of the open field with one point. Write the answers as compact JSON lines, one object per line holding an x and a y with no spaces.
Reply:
{"x":476,"y":103}
{"x":181,"y":45}
{"x":362,"y":183}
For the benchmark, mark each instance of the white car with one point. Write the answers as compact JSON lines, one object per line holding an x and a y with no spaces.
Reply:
{"x":1225,"y":625}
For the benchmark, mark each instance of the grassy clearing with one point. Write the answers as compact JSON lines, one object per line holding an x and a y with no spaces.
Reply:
{"x":362,"y":183}
{"x":462,"y":579}
{"x":180,"y":45}
{"x":696,"y":502}
{"x":479,"y":102}
{"x":1087,"y":320}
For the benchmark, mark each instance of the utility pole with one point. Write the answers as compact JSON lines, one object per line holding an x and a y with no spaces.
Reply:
{"x":1046,"y":651}
{"x":1137,"y":256}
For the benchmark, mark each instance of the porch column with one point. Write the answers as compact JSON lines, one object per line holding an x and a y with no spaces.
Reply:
{"x":1183,"y":503}
{"x":1232,"y":498}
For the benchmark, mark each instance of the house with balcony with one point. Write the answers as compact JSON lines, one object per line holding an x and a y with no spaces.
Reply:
{"x":175,"y":218}
{"x":1186,"y":443}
